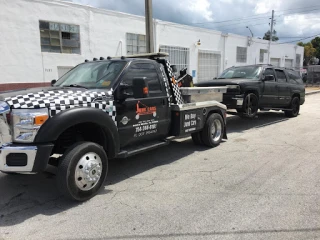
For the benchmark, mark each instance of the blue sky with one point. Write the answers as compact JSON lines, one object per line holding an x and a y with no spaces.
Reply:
{"x":295,"y":19}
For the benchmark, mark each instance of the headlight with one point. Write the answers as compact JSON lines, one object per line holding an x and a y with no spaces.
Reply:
{"x":233,"y":89}
{"x":27,"y":122}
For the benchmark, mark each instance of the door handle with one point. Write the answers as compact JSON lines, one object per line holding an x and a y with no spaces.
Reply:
{"x":163,"y":101}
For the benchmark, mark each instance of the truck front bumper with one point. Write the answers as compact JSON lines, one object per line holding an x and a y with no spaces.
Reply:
{"x":232,"y":101}
{"x":24,"y":158}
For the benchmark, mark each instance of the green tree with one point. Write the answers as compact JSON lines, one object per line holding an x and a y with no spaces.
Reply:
{"x":274,"y":36}
{"x":309,"y":51}
{"x":316,"y":44}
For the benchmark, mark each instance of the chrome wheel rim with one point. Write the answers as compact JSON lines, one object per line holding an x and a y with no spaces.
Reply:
{"x":216,"y":130}
{"x":88,"y":171}
{"x":251,"y":105}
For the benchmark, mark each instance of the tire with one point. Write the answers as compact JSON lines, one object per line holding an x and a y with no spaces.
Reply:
{"x":72,"y":180}
{"x":295,"y":106}
{"x":212,"y":132}
{"x":250,"y":105}
{"x":196,"y":138}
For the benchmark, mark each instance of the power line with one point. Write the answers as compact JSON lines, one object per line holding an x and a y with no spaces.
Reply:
{"x":253,"y":16}
{"x":292,"y":41}
{"x":301,"y":39}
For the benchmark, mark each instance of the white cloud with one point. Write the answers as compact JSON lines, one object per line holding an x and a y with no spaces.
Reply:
{"x":201,"y":7}
{"x":302,"y":24}
{"x":207,"y":11}
{"x":264,"y":6}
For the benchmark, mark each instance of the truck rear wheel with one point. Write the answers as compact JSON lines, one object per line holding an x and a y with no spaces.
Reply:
{"x":213,"y":130}
{"x":295,"y":106}
{"x":82,"y":171}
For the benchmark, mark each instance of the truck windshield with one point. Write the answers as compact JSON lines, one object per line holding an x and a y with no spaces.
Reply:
{"x":92,"y":75}
{"x":245,"y":72}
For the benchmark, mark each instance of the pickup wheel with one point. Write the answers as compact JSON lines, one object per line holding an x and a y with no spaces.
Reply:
{"x":250,"y":105}
{"x":295,"y":106}
{"x":82,"y":171}
{"x":196,"y":138}
{"x":212,"y":131}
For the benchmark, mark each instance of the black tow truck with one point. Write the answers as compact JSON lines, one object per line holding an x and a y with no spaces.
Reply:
{"x":104,"y":109}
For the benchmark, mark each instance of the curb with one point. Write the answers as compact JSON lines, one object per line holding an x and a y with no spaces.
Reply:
{"x":313,"y":92}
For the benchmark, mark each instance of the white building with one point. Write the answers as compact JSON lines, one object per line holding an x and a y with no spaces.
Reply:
{"x":42,"y":39}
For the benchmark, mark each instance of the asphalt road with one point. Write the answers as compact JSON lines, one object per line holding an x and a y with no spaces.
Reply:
{"x":263,"y":183}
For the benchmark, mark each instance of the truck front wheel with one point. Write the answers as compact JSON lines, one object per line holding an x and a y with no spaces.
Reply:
{"x":213,"y":130}
{"x":82,"y":171}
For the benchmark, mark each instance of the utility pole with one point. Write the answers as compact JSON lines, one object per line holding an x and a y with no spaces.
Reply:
{"x":271,"y":31}
{"x":149,"y":26}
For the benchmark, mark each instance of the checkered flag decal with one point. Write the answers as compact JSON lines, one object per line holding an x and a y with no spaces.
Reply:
{"x":166,"y":84}
{"x":175,"y":88}
{"x":57,"y":101}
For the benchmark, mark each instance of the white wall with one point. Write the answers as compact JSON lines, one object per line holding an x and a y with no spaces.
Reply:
{"x":103,"y":33}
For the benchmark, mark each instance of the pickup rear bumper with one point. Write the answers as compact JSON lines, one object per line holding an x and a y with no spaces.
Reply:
{"x":24,"y":158}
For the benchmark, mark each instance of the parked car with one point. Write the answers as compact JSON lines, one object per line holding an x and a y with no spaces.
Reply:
{"x":263,"y":87}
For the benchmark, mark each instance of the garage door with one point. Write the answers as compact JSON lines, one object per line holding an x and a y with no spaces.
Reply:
{"x":209,"y":64}
{"x":288,"y":63}
{"x":275,"y":62}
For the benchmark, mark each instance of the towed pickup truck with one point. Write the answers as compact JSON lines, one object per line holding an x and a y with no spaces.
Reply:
{"x":103,"y":109}
{"x":260,"y":86}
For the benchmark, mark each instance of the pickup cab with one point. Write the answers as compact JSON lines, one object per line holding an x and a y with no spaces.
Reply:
{"x":102,"y":109}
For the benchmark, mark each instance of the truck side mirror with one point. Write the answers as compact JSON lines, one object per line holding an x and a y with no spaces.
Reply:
{"x":53,"y":82}
{"x":140,"y":87}
{"x":268,"y":78}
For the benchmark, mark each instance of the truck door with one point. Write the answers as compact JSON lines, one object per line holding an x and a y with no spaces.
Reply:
{"x":144,"y":119}
{"x":269,"y":94}
{"x":284,"y":94}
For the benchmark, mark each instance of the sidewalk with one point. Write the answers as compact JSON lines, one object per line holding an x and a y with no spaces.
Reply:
{"x":312,"y":90}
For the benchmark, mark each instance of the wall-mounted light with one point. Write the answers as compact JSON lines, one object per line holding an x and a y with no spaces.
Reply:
{"x":198,"y":43}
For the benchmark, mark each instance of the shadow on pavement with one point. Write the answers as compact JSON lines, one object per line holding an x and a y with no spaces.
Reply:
{"x":25,"y":196}
{"x":237,"y":124}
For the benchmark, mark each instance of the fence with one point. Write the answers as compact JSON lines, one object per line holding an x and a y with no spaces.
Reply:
{"x":313,"y":76}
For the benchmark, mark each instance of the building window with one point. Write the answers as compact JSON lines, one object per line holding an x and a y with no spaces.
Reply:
{"x":59,"y":37}
{"x":298,"y":61}
{"x":136,"y":43}
{"x":178,"y":56}
{"x":262,"y":52}
{"x":241,"y":54}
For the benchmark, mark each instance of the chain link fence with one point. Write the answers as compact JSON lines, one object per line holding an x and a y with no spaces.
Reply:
{"x":313,"y":76}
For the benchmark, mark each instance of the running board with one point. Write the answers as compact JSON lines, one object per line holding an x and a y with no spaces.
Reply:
{"x":278,"y":109}
{"x":141,"y":148}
